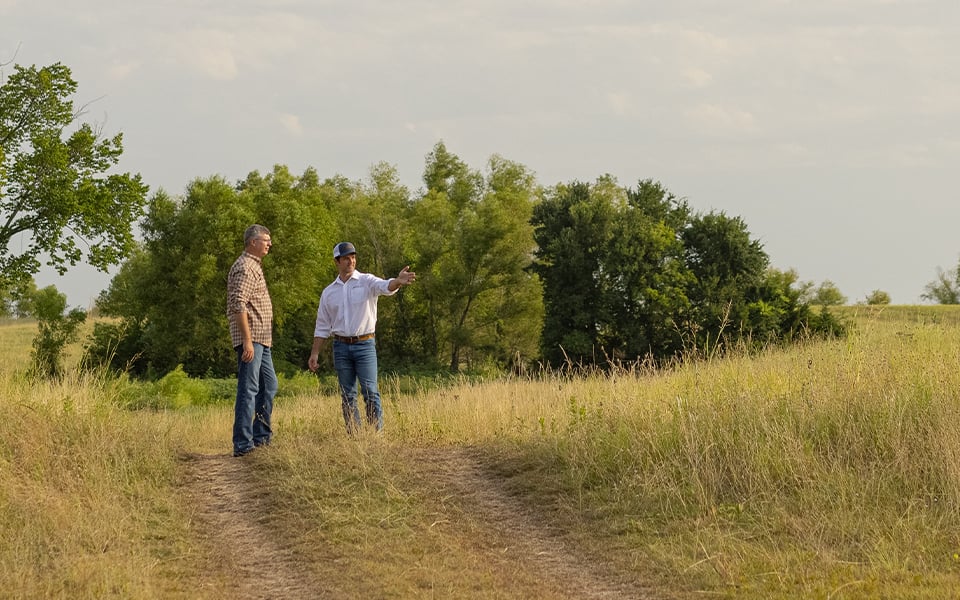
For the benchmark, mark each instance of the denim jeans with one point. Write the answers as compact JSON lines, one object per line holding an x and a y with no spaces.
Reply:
{"x":358,"y":362}
{"x":256,"y":387}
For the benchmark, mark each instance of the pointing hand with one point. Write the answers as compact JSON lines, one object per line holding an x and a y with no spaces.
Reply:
{"x":406,"y":276}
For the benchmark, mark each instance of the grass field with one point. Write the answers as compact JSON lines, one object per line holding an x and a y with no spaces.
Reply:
{"x":825,"y":470}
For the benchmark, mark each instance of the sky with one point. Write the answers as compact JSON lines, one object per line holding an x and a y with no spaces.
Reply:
{"x":831,"y":127}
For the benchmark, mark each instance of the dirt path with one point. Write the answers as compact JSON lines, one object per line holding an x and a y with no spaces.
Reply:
{"x":460,"y":475}
{"x":234,"y":519}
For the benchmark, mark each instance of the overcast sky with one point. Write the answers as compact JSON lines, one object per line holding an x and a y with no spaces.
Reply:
{"x":832,"y":127}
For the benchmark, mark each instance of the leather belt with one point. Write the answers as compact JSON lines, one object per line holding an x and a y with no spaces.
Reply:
{"x":354,"y":339}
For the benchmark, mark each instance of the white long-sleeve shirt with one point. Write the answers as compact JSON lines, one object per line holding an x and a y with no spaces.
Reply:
{"x":350,"y":308}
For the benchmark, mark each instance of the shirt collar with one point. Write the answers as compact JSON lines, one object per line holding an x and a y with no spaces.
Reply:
{"x":354,"y":275}
{"x":248,"y":255}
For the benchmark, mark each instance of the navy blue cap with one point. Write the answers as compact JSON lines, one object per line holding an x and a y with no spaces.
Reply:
{"x":343,"y":249}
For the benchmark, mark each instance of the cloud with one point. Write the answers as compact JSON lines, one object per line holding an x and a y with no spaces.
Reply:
{"x":240,"y":46}
{"x":619,"y":102}
{"x":122,"y":70}
{"x":696,"y":77}
{"x":714,"y":118}
{"x":209,"y":52}
{"x":292,"y":124}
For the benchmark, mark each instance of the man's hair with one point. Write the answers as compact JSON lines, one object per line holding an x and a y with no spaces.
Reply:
{"x":252,"y":232}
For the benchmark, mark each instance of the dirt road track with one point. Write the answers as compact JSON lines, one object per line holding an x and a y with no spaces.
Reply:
{"x":460,"y":474}
{"x":234,"y":518}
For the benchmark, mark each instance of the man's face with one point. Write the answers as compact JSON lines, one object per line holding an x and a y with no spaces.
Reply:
{"x":260,"y":245}
{"x":346,"y":265}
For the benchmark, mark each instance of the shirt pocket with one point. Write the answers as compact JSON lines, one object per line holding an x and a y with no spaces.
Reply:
{"x":357,"y":295}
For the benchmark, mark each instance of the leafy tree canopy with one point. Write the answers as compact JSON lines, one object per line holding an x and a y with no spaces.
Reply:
{"x":57,"y":197}
{"x":633,"y":273}
{"x":171,"y":295}
{"x":17,"y":299}
{"x":471,"y":242}
{"x":507,"y":272}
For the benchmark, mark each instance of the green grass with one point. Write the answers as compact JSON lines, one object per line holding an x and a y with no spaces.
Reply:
{"x":828,"y":469}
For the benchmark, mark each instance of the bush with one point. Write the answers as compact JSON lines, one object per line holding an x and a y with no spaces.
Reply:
{"x":54,"y":331}
{"x":117,"y":347}
{"x":176,"y":390}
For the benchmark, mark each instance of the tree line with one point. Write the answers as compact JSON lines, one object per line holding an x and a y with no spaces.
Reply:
{"x":510,"y":273}
{"x":468,"y":236}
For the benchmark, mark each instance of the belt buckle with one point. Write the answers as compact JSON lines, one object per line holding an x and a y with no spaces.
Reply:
{"x":353,"y":339}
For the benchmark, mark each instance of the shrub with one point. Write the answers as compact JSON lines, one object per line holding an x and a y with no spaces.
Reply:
{"x":55,"y":330}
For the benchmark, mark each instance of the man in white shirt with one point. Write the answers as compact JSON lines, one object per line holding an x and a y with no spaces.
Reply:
{"x":348,"y":314}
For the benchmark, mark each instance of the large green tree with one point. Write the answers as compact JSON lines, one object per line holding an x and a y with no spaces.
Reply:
{"x":615,"y":283}
{"x":728,"y":268}
{"x":646,"y":280}
{"x":630,"y":274}
{"x":473,"y":243}
{"x":573,"y":232}
{"x":171,"y":297}
{"x":58,"y":196}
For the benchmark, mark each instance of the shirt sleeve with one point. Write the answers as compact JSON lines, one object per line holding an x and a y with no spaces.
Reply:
{"x":239,"y":290}
{"x":324,"y":322}
{"x":381,"y":286}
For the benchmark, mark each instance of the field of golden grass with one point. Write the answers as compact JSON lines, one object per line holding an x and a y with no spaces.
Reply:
{"x":824,"y":470}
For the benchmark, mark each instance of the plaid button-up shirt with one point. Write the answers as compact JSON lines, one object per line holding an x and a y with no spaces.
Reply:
{"x":247,"y":291}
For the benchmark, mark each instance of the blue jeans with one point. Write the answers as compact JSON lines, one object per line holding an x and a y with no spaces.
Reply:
{"x":256,"y":387}
{"x":355,"y":362}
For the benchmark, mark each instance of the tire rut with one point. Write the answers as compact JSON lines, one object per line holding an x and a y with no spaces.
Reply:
{"x":234,"y":518}
{"x":460,"y":475}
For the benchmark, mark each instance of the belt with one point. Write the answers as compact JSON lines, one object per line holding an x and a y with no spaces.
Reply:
{"x":355,"y":339}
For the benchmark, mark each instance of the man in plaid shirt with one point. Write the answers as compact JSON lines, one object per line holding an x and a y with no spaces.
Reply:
{"x":250,"y":313}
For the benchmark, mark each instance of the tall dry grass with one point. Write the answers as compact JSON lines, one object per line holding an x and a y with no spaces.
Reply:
{"x":828,"y":469}
{"x":87,"y":502}
{"x":796,"y":470}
